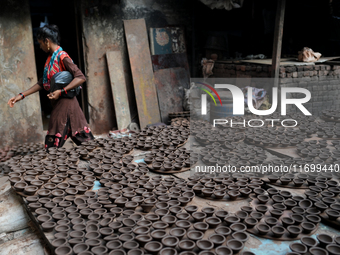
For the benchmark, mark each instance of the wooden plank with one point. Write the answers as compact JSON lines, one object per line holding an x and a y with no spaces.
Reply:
{"x":118,"y":86}
{"x":280,"y":13}
{"x":141,"y":68}
{"x":169,"y":94}
{"x":267,"y":61}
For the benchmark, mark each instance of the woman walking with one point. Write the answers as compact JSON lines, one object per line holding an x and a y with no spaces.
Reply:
{"x":67,"y":118}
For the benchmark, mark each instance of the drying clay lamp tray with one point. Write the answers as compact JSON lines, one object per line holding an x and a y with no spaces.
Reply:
{"x":47,"y":237}
{"x":290,"y":185}
{"x":201,"y":142}
{"x":327,"y":119}
{"x":225,"y":199}
{"x":177,"y":146}
{"x":285,"y":236}
{"x":160,"y":171}
{"x":332,"y":223}
{"x":270,"y":147}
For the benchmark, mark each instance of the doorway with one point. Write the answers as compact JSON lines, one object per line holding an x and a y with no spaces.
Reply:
{"x":64,"y":14}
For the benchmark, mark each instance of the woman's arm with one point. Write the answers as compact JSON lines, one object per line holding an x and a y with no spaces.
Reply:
{"x":78,"y":79}
{"x":35,"y":88}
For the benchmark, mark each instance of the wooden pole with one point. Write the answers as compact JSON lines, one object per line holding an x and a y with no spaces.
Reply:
{"x":277,"y":45}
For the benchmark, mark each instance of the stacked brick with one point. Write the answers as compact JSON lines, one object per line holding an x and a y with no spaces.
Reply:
{"x":240,"y":71}
{"x":323,"y":81}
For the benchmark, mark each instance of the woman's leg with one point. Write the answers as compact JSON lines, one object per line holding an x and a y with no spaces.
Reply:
{"x":58,"y":140}
{"x":83,"y":136}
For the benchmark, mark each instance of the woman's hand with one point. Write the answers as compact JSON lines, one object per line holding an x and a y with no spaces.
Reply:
{"x":13,"y":100}
{"x":54,"y":95}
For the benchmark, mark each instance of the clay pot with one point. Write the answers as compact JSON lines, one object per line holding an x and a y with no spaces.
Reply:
{"x":231,"y":220}
{"x":263,"y":198}
{"x":250,"y":222}
{"x":99,"y":250}
{"x":294,"y":231}
{"x":221,"y":214}
{"x":153,"y":247}
{"x":317,"y":251}
{"x":81,"y":248}
{"x":308,"y":241}
{"x":191,"y":208}
{"x":306,"y":203}
{"x":242,"y":215}
{"x":201,"y":226}
{"x":63,"y":250}
{"x":216,"y":239}
{"x":213,"y":222}
{"x":207,"y":192}
{"x":307,"y":227}
{"x":333,"y":249}
{"x":241,"y":236}
{"x":48,"y":226}
{"x":20,"y":186}
{"x":324,"y":240}
{"x":170,"y":241}
{"x":183,"y":224}
{"x":223,"y":250}
{"x":298,"y":247}
{"x":332,"y":214}
{"x":152,"y":217}
{"x":169,"y":219}
{"x":209,"y":211}
{"x":263,"y":229}
{"x":247,"y":209}
{"x":297,"y":218}
{"x":261,"y":208}
{"x":278,"y":199}
{"x":144,"y":239}
{"x":205,"y":244}
{"x":278,"y":231}
{"x":166,"y":251}
{"x":286,"y":221}
{"x":238,"y":227}
{"x":313,"y":218}
{"x":195,"y":235}
{"x":235,"y":245}
{"x":233,"y":194}
{"x":186,"y":245}
{"x":158,"y":234}
{"x":276,"y":213}
{"x":178,"y":232}
{"x":129,"y":245}
{"x":271,"y":221}
{"x":59,"y":242}
{"x":199,"y":216}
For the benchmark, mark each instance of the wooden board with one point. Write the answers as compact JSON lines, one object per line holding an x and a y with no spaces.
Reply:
{"x":169,"y":94}
{"x":118,"y":86}
{"x":263,"y":61}
{"x":141,"y":68}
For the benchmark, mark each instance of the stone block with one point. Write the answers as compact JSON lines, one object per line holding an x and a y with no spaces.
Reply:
{"x":290,"y":69}
{"x":308,"y":68}
{"x":286,"y":80}
{"x":299,"y":68}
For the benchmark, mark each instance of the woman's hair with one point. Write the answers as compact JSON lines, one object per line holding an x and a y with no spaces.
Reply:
{"x":49,"y":31}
